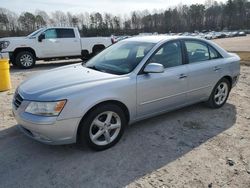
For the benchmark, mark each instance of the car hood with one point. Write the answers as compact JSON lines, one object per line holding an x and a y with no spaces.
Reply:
{"x":16,"y":42}
{"x":60,"y":82}
{"x":13,"y":38}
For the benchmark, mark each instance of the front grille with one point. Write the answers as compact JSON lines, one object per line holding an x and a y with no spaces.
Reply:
{"x":17,"y":101}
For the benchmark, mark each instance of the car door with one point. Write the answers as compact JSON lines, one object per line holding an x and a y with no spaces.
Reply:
{"x":50,"y":46}
{"x":158,"y":92}
{"x":70,"y":44}
{"x":204,"y":69}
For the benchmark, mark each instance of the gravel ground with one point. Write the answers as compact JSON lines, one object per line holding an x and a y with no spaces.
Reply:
{"x":192,"y":147}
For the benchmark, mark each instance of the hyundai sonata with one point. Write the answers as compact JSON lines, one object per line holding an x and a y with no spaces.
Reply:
{"x":134,"y":79}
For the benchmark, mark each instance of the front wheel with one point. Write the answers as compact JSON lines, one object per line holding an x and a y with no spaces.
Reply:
{"x":219,"y":94}
{"x":25,"y":60}
{"x":103,"y":127}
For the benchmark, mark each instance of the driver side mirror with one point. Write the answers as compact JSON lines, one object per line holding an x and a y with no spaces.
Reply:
{"x":154,"y":68}
{"x":41,"y":37}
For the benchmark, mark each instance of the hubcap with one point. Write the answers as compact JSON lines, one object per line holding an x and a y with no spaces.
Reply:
{"x":105,"y":128}
{"x":221,"y":93}
{"x":26,"y":60}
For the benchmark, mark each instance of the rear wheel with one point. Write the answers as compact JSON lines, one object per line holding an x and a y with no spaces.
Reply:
{"x":25,"y":60}
{"x":219,"y":94}
{"x":85,"y":55}
{"x":103,"y":127}
{"x":98,"y":49}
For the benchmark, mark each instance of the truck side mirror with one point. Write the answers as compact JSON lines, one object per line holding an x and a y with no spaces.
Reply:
{"x":41,"y":37}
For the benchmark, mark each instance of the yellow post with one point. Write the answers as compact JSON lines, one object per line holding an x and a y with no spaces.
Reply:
{"x":4,"y":75}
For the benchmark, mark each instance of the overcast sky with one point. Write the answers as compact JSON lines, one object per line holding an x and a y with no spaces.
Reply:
{"x":77,"y":6}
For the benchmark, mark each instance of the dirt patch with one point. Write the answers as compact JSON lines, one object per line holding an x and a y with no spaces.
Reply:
{"x":235,"y":44}
{"x":239,"y":45}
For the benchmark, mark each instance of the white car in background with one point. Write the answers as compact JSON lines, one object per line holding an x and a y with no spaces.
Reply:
{"x":50,"y":43}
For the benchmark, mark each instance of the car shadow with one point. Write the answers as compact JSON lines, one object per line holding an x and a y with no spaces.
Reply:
{"x":146,"y":146}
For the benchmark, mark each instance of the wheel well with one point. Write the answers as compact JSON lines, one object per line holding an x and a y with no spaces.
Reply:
{"x":17,"y":50}
{"x":98,"y":47}
{"x":118,"y":103}
{"x":85,"y":52}
{"x":229,"y":79}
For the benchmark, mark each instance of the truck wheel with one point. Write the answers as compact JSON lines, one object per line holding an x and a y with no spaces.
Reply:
{"x":13,"y":63}
{"x":85,"y":55}
{"x":98,"y":49}
{"x":25,"y":60}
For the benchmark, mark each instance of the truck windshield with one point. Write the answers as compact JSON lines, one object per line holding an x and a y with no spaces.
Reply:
{"x":120,"y":58}
{"x":35,"y":33}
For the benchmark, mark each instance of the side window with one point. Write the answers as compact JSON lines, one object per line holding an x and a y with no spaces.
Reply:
{"x":197,"y":51}
{"x":50,"y":34}
{"x":66,"y":33}
{"x":213,"y":53}
{"x":169,"y":55}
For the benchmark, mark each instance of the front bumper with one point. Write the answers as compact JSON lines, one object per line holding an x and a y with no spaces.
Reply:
{"x":47,"y":130}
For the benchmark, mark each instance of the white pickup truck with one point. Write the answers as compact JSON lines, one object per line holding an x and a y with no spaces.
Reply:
{"x":50,"y":43}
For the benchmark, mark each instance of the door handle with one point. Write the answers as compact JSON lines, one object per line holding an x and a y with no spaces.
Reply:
{"x":182,"y":76}
{"x":217,"y":68}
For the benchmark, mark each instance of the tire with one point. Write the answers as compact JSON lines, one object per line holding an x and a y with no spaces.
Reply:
{"x":97,"y":50}
{"x":219,"y":94}
{"x":25,"y":60}
{"x":85,"y":55}
{"x":98,"y":132}
{"x":13,"y":63}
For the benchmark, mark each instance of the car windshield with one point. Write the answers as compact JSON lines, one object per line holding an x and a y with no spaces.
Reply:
{"x":120,"y":58}
{"x":35,"y":33}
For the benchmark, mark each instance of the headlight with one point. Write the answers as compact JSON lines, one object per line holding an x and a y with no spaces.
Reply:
{"x":45,"y":108}
{"x":4,"y":44}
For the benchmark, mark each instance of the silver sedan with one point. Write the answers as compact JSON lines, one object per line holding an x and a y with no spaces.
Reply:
{"x":136,"y":78}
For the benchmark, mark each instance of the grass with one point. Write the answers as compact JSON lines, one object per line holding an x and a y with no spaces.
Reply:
{"x":245,"y":57}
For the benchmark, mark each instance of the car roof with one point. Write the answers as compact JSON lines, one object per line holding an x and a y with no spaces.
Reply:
{"x":159,"y":38}
{"x":164,"y":38}
{"x":151,"y":39}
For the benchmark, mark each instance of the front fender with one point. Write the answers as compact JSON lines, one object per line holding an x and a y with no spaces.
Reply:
{"x":123,"y":90}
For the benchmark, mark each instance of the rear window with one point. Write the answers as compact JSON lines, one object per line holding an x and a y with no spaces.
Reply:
{"x":213,"y":53}
{"x":65,"y":33}
{"x":197,"y":51}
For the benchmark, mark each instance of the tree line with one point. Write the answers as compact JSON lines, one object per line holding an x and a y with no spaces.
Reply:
{"x":231,"y":15}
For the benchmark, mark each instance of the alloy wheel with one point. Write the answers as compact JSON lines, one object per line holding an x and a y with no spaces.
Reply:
{"x":221,"y":93}
{"x":105,"y":128}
